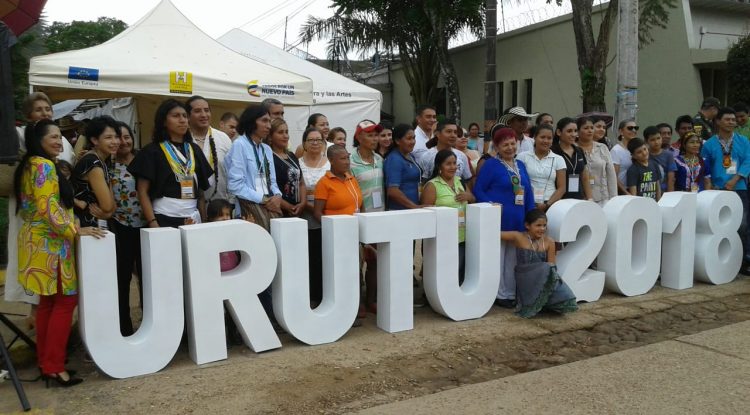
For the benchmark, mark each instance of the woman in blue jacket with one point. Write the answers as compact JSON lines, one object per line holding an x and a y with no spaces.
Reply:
{"x":504,"y":180}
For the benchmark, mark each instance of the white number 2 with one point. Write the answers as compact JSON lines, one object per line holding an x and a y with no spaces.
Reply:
{"x":583,"y":225}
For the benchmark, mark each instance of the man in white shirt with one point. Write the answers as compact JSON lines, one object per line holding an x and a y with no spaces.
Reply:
{"x":426,"y":117}
{"x":214,"y":143}
{"x":447,"y":134}
{"x":517,"y":120}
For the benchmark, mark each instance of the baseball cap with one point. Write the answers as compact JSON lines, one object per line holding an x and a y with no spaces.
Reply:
{"x":368,"y":126}
{"x":711,"y":102}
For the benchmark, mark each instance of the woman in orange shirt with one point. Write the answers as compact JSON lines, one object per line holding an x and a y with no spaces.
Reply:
{"x":337,"y":193}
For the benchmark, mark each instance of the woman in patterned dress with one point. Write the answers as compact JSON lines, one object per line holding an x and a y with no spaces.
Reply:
{"x":46,"y":244}
{"x":126,"y":224}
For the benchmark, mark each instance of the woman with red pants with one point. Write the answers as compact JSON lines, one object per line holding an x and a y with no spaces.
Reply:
{"x":46,"y":241}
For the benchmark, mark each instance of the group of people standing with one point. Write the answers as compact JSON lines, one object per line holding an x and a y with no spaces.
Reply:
{"x":191,"y":172}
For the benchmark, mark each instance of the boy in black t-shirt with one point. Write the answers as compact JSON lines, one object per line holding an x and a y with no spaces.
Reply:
{"x":644,"y":176}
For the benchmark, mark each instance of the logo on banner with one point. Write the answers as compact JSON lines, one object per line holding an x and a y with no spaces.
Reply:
{"x":256,"y":89}
{"x":181,"y":82}
{"x":253,"y":88}
{"x":83,"y":76}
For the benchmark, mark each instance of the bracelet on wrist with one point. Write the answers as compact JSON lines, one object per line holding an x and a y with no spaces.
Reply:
{"x":152,"y":220}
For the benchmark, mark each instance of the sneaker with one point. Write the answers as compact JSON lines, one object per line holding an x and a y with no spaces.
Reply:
{"x":505,"y":303}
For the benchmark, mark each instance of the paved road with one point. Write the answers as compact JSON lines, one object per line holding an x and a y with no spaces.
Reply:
{"x":704,"y":373}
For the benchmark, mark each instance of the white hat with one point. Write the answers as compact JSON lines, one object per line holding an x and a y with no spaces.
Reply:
{"x":513,"y":113}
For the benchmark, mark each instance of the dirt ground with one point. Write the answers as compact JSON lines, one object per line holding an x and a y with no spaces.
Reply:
{"x":369,"y":367}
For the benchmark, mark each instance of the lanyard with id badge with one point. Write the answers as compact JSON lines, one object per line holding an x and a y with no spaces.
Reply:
{"x":515,"y":180}
{"x":377,"y":193}
{"x":727,"y":161}
{"x":182,"y":167}
{"x":574,"y":180}
{"x":263,"y":178}
{"x":462,"y":205}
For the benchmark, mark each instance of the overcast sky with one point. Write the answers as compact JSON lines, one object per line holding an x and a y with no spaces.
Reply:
{"x":262,"y":18}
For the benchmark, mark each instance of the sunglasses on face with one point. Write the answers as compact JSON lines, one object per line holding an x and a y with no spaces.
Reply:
{"x":632,"y":128}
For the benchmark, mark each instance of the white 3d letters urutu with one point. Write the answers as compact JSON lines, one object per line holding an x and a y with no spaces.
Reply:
{"x":474,"y":298}
{"x":208,"y":288}
{"x":154,"y":344}
{"x":678,"y":239}
{"x":582,"y":223}
{"x":291,"y":288}
{"x":718,"y":248}
{"x":632,"y":250}
{"x":395,"y":232}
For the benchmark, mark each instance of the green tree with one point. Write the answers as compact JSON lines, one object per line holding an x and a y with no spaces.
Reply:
{"x":56,"y":37}
{"x":60,"y":37}
{"x":417,"y":30}
{"x":738,"y":70}
{"x":30,"y":44}
{"x":592,"y":51}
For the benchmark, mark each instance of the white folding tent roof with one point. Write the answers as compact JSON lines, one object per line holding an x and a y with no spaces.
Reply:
{"x":165,"y":54}
{"x":343,"y":101}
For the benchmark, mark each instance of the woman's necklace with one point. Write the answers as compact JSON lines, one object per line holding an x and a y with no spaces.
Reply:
{"x":534,"y":242}
{"x":371,"y":157}
{"x":317,"y":163}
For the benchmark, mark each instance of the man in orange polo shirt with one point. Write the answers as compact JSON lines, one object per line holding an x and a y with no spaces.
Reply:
{"x":337,"y":193}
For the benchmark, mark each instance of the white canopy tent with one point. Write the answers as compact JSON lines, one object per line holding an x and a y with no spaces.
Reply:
{"x":343,"y":101}
{"x":165,"y":54}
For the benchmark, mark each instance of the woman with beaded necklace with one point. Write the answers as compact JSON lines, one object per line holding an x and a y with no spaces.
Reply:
{"x":288,"y":170}
{"x":692,"y":174}
{"x":538,"y":285}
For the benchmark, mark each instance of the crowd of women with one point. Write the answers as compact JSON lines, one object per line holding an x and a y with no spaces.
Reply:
{"x":191,"y":173}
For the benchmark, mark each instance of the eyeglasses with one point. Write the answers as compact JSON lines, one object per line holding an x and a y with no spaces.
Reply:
{"x":632,"y":128}
{"x":314,"y":140}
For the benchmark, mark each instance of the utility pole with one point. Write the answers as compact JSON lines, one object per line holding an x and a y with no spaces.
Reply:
{"x":286,"y":22}
{"x":627,"y":61}
{"x":490,"y":85}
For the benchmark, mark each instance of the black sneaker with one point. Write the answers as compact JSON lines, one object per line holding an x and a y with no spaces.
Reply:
{"x":505,"y":303}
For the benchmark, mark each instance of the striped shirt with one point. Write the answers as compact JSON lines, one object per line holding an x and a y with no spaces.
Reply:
{"x":370,"y":178}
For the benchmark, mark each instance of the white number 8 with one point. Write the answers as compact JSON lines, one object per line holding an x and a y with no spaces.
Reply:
{"x":718,"y":248}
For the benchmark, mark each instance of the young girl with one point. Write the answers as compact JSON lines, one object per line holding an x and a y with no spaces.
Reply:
{"x":538,"y":285}
{"x":218,"y":210}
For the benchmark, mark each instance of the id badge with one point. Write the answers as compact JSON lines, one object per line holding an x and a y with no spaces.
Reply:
{"x":694,"y":187}
{"x":259,"y":185}
{"x":462,"y":215}
{"x":102,"y":224}
{"x":311,"y":198}
{"x":574,"y":182}
{"x":187,"y":191}
{"x":519,"y":196}
{"x":538,"y":196}
{"x":377,"y":199}
{"x":592,"y":180}
{"x":732,"y":169}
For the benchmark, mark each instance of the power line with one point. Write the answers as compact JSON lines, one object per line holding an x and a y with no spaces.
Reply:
{"x":269,"y":12}
{"x":278,"y":25}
